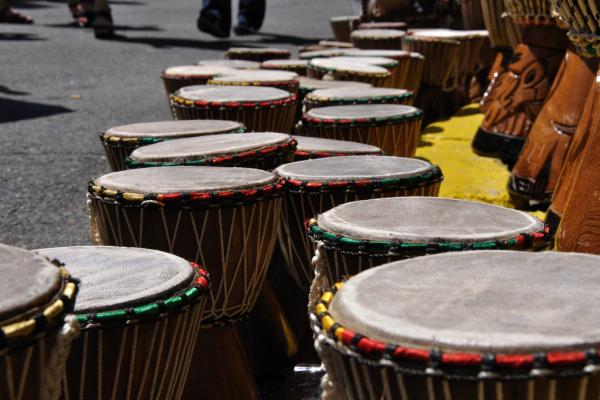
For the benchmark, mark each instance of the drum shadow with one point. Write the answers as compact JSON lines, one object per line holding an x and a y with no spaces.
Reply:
{"x":165,"y":43}
{"x":19,"y":36}
{"x":466,"y":111}
{"x":17,"y":110}
{"x":274,"y":38}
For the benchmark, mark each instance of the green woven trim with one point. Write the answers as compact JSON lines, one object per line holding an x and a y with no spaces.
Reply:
{"x":118,"y":141}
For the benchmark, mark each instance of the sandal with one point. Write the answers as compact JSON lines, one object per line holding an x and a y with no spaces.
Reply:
{"x":8,"y":15}
{"x":103,"y":25}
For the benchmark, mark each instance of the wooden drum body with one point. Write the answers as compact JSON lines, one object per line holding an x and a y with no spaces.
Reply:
{"x":343,"y":26}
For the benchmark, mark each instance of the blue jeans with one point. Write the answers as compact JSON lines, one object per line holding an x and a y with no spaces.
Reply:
{"x":251,"y":12}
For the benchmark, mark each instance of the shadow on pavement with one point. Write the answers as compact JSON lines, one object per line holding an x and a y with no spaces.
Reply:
{"x":19,"y":36}
{"x":140,"y":28}
{"x":7,"y":90}
{"x":17,"y":110}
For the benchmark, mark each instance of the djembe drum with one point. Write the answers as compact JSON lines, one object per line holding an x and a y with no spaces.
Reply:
{"x":175,"y":78}
{"x":120,"y":141}
{"x":35,"y":329}
{"x":400,"y":26}
{"x":263,"y":109}
{"x":350,"y":96}
{"x":309,"y":148}
{"x":322,"y":53}
{"x":263,"y":150}
{"x":296,"y":66}
{"x":343,"y":26}
{"x":349,"y":70}
{"x":359,"y":235}
{"x":140,"y":313}
{"x":397,"y":71}
{"x":462,"y":326}
{"x":378,"y":39}
{"x":516,"y":96}
{"x":235,"y":64}
{"x":283,"y":80}
{"x":224,"y":217}
{"x":257,"y":54}
{"x":315,"y":186}
{"x":393,"y":128}
{"x":407,"y":75}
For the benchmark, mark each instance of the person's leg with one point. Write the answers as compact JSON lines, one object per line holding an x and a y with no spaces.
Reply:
{"x":103,"y":23}
{"x":215,"y":17}
{"x":251,"y":15}
{"x":8,"y":15}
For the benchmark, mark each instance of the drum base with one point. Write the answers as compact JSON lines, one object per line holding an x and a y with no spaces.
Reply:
{"x":506,"y":148}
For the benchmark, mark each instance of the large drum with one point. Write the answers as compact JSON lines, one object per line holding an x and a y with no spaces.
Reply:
{"x":315,"y":186}
{"x":296,"y":66}
{"x":378,"y":39}
{"x":264,"y":150}
{"x":35,"y":332}
{"x":356,"y":236}
{"x":309,"y":148}
{"x":463,"y":326}
{"x":175,"y":78}
{"x":257,"y":54}
{"x":349,"y":70}
{"x":264,"y":109}
{"x":235,"y":64}
{"x":120,"y":141}
{"x":343,"y":26}
{"x":350,"y":96}
{"x":277,"y":79}
{"x":393,"y":128}
{"x":140,"y":313}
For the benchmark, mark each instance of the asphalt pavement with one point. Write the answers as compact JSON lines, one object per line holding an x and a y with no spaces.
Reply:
{"x":60,"y":87}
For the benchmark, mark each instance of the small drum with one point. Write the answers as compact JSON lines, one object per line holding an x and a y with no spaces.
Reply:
{"x":264,"y":150}
{"x":223,"y":217}
{"x":348,"y":96}
{"x":188,"y":75}
{"x":359,"y":235}
{"x":140,"y":313}
{"x":315,"y":186}
{"x":235,"y":64}
{"x":278,"y":79}
{"x":348,"y":70}
{"x":399,"y":26}
{"x":309,"y":148}
{"x":263,"y":109}
{"x":35,"y":331}
{"x":343,"y":26}
{"x":463,"y":326}
{"x":296,"y":66}
{"x":120,"y":141}
{"x":376,"y":39}
{"x":257,"y":54}
{"x":393,"y":128}
{"x":407,"y":74}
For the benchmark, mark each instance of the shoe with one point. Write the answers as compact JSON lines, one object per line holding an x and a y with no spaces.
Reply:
{"x":210,"y":24}
{"x":10,"y":16}
{"x":244,"y":30}
{"x":103,"y":25}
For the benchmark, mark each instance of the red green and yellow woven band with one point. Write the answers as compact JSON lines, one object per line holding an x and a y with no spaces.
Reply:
{"x":150,"y":311}
{"x":291,"y":84}
{"x":120,"y":141}
{"x":365,"y":185}
{"x":397,"y":248}
{"x":17,"y":332}
{"x":338,"y":101}
{"x":224,"y":160}
{"x":473,"y":365}
{"x":324,"y":154}
{"x":367,"y":122}
{"x":366,"y":74}
{"x":234,"y":105}
{"x":187,"y":199}
{"x":186,"y":77}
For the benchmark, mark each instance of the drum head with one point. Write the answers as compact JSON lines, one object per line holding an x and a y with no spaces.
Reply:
{"x":191,"y":71}
{"x":209,"y":146}
{"x":378,"y":61}
{"x":351,"y":94}
{"x":366,"y":111}
{"x":257,"y":50}
{"x":184,"y":179}
{"x":251,"y":76}
{"x":236,"y":64}
{"x":285,"y":63}
{"x":379,"y":34}
{"x":348,"y":64}
{"x":448,"y":33}
{"x":118,"y":277}
{"x":310,"y":84}
{"x":477,"y":301}
{"x":28,"y":281}
{"x":172,"y":129}
{"x":333,"y":169}
{"x":333,"y":52}
{"x":314,"y":145}
{"x":393,"y":54}
{"x":224,"y":94}
{"x":427,"y":219}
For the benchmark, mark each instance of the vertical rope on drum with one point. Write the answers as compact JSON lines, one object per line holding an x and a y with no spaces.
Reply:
{"x":119,"y":364}
{"x":148,"y":357}
{"x":133,"y":351}
{"x":173,"y":362}
{"x":84,"y":362}
{"x":100,"y":360}
{"x":168,"y":355}
{"x":163,"y":337}
{"x":25,"y":372}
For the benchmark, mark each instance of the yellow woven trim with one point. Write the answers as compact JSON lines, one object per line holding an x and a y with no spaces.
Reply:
{"x":139,"y":197}
{"x":117,"y":139}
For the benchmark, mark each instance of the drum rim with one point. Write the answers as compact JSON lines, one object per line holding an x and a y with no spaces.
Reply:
{"x":354,"y":72}
{"x":388,"y":63}
{"x":414,"y":115}
{"x":152,"y":310}
{"x":256,"y":50}
{"x":363,"y":34}
{"x":407,"y":94}
{"x":254,"y":65}
{"x":179,"y":101}
{"x":260,"y":152}
{"x":435,"y":362}
{"x":21,"y":330}
{"x":166,"y":76}
{"x":291,"y":83}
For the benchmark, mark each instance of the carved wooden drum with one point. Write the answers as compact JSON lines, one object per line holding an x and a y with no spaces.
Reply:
{"x":350,"y":96}
{"x":140,"y":313}
{"x":342,"y":27}
{"x":349,"y":70}
{"x":378,"y":39}
{"x":175,"y":78}
{"x":263,"y":150}
{"x":35,"y":331}
{"x":120,"y":141}
{"x":356,"y":236}
{"x":462,"y":326}
{"x":296,"y":66}
{"x":310,"y":147}
{"x":393,"y":128}
{"x":263,"y":109}
{"x":257,"y":54}
{"x":235,"y":64}
{"x":283,"y":80}
{"x":315,"y":186}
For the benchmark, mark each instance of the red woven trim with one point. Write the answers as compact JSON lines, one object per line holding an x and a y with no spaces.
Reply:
{"x":290,"y":84}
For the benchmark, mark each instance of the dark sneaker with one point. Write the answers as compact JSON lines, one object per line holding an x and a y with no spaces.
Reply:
{"x":244,"y":30}
{"x":210,"y":24}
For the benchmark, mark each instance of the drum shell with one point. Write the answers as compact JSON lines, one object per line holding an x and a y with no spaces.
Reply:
{"x":372,"y":43}
{"x":442,"y":59}
{"x":148,"y":360}
{"x":274,"y":118}
{"x":376,"y":80}
{"x":503,"y":33}
{"x":234,"y":243}
{"x":397,"y":139}
{"x":342,"y":28}
{"x":298,"y":207}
